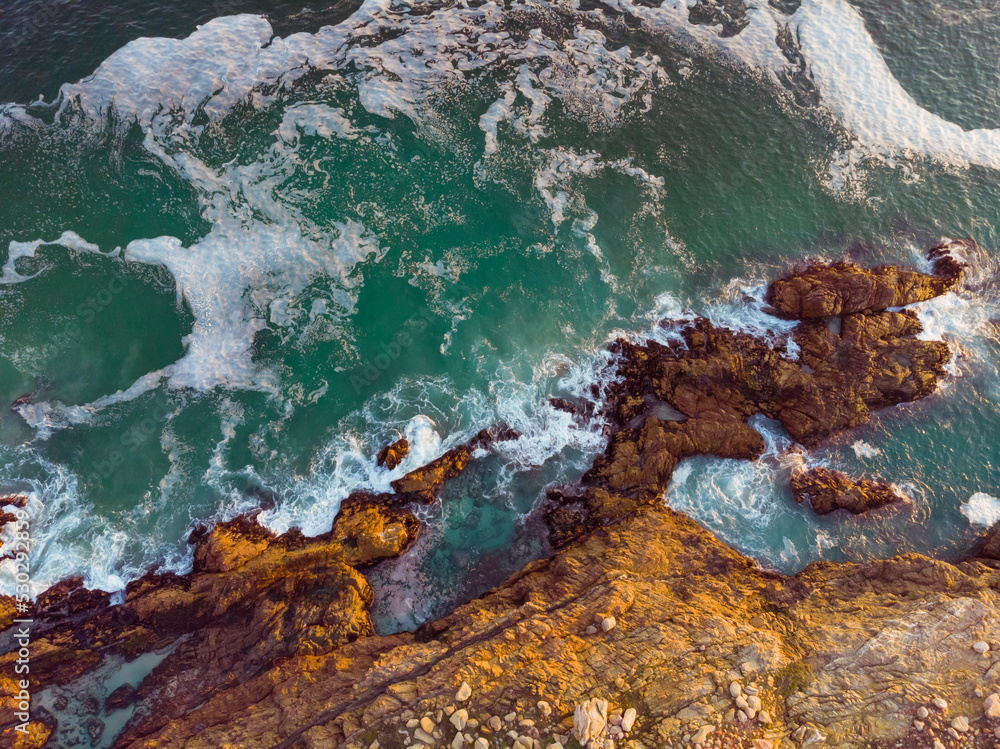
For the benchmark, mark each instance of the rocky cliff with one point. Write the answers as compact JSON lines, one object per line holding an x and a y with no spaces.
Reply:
{"x":642,"y":629}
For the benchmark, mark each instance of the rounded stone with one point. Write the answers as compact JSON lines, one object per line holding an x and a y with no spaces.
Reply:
{"x":939,"y":703}
{"x":981,"y":647}
{"x":991,"y":706}
{"x":735,"y":689}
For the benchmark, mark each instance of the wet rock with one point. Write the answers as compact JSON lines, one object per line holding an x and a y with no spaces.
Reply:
{"x":392,"y":455}
{"x":425,"y":483}
{"x":829,"y":290}
{"x":121,"y":697}
{"x":828,"y":491}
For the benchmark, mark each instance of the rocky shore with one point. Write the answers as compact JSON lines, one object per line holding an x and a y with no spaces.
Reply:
{"x":641,"y":630}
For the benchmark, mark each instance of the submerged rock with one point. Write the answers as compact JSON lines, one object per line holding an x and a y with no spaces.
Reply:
{"x":827,"y":491}
{"x":123,"y":696}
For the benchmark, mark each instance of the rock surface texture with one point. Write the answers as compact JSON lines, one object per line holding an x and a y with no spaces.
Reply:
{"x":827,"y":491}
{"x":642,"y":629}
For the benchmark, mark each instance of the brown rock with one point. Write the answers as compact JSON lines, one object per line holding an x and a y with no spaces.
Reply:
{"x":825,"y":290}
{"x":827,"y":491}
{"x":123,"y":696}
{"x":392,"y":455}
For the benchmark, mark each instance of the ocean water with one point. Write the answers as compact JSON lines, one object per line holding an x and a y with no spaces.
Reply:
{"x":246,"y":245}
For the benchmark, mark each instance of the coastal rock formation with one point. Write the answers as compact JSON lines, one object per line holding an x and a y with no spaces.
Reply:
{"x":827,"y":491}
{"x":423,"y":484}
{"x":253,"y":599}
{"x":643,"y":628}
{"x":829,"y":290}
{"x":849,"y":653}
{"x":849,"y":365}
{"x":392,"y":455}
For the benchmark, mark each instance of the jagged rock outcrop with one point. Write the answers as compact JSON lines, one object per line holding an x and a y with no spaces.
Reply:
{"x":424,"y":484}
{"x":864,"y":359}
{"x":829,"y":290}
{"x":252,"y":600}
{"x":685,"y":639}
{"x":392,"y":455}
{"x":849,"y":652}
{"x":827,"y":491}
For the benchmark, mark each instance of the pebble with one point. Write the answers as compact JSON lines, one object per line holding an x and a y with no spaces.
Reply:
{"x":764,"y":717}
{"x":449,"y":710}
{"x":741,"y":717}
{"x":460,"y":718}
{"x":961,"y":724}
{"x":954,"y":734}
{"x":554,"y":745}
{"x":421,"y":735}
{"x":608,"y":624}
{"x":742,"y":703}
{"x":458,"y":742}
{"x":754,"y":702}
{"x":482,"y":743}
{"x":427,"y":724}
{"x":472,"y":723}
{"x":991,"y":706}
{"x":544,"y":708}
{"x":527,"y":722}
{"x":628,"y":719}
{"x":919,"y":725}
{"x":751,"y":689}
{"x":735,"y":689}
{"x":730,"y":716}
{"x":762,"y":744}
{"x":981,"y":647}
{"x":922,"y":712}
{"x":464,"y":692}
{"x":591,"y":630}
{"x":701,"y":734}
{"x":495,"y":723}
{"x":938,"y":744}
{"x":412,"y":723}
{"x":510,"y":717}
{"x":939,"y":703}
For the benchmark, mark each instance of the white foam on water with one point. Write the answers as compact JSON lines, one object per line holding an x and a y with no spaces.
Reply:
{"x":863,"y":450}
{"x":856,"y":84}
{"x":982,"y":509}
{"x":248,"y":272}
{"x":19,"y":250}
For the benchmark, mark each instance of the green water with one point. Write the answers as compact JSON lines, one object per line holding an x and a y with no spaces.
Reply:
{"x":457,"y":301}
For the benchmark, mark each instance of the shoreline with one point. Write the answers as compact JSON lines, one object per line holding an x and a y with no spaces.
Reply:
{"x":256,"y":602}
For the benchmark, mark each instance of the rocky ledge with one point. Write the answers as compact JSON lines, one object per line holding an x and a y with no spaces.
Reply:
{"x":643,"y":629}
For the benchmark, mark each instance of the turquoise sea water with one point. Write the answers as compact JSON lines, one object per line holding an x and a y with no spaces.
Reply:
{"x":240,"y":258}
